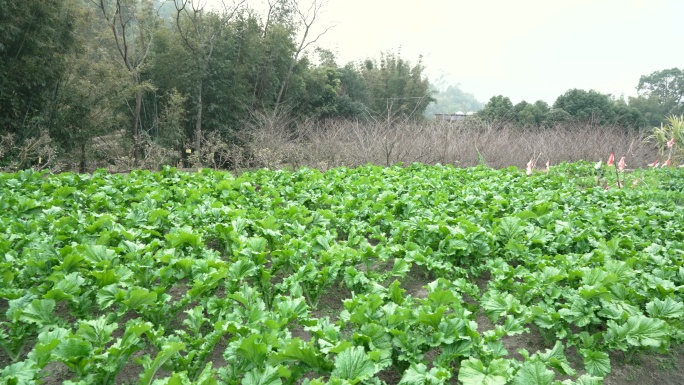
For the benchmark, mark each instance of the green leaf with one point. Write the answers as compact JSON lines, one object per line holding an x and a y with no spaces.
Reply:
{"x":378,"y":341}
{"x":20,"y":373}
{"x":462,"y":348}
{"x":580,"y":312}
{"x":473,"y":372}
{"x":158,"y":214}
{"x":596,"y":363}
{"x":96,"y":254}
{"x":396,"y":293}
{"x":67,"y":288}
{"x":618,"y":310}
{"x":497,"y":304}
{"x":97,"y":331}
{"x":207,"y":283}
{"x":105,"y":277}
{"x":322,"y":242}
{"x":47,"y":342}
{"x":497,"y":348}
{"x":206,"y":377}
{"x":290,"y":308}
{"x":639,"y":331}
{"x":168,"y":350}
{"x":556,"y":359}
{"x":533,"y":373}
{"x":417,"y":374}
{"x":590,"y":292}
{"x":400,"y":268}
{"x":131,"y":336}
{"x":339,"y":348}
{"x":550,"y":274}
{"x":442,"y":297}
{"x":254,"y":245}
{"x":252,"y":349}
{"x":17,"y":306}
{"x":181,"y":378}
{"x":354,"y":365}
{"x":195,"y":319}
{"x":510,"y":227}
{"x":179,"y":238}
{"x":668,"y":308}
{"x":140,"y":297}
{"x":268,"y":376}
{"x":242,"y":269}
{"x":298,"y":351}
{"x":108,"y":295}
{"x":73,"y":349}
{"x":514,"y":326}
{"x":40,"y":312}
{"x":431,"y":319}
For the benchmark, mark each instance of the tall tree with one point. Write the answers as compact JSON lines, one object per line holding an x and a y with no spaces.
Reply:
{"x":132,"y":24}
{"x":627,"y":115}
{"x":597,"y":108}
{"x":498,"y":108}
{"x":354,"y":95}
{"x":531,"y":115}
{"x":652,"y":109}
{"x":317,"y":89}
{"x":239,"y":56}
{"x":277,"y":44}
{"x":306,"y":21}
{"x":587,"y":106}
{"x":666,"y":88}
{"x":87,"y":101}
{"x":35,"y":38}
{"x":397,"y":88}
{"x":200,"y":29}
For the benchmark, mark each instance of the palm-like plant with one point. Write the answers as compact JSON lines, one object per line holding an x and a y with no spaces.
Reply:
{"x":670,"y":140}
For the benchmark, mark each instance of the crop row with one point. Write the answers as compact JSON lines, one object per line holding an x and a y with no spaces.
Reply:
{"x":276,"y":277}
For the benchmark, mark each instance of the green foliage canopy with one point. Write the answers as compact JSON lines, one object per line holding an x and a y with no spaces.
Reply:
{"x":35,"y":39}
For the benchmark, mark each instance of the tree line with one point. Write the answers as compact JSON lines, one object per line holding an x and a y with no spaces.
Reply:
{"x":171,"y":74}
{"x":659,"y":96}
{"x":93,"y":81}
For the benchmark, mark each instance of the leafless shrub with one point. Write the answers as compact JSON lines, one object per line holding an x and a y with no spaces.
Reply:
{"x":107,"y":149}
{"x":235,"y":157}
{"x":215,"y":152}
{"x":322,"y":144}
{"x":36,"y":152}
{"x":7,"y":143}
{"x":464,"y":143}
{"x":568,"y":142}
{"x":114,"y":152}
{"x":272,"y":141}
{"x":156,"y":155}
{"x":277,"y":140}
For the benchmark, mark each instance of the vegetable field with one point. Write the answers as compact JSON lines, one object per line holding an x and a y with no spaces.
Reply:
{"x":414,"y":275}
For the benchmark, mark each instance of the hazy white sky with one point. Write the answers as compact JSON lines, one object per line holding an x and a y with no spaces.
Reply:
{"x":523,"y":49}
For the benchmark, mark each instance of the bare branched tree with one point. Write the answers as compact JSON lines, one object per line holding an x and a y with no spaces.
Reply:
{"x":306,"y":19}
{"x":278,"y":12}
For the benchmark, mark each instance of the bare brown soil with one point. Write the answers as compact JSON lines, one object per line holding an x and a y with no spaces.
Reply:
{"x":648,"y":369}
{"x":332,"y":302}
